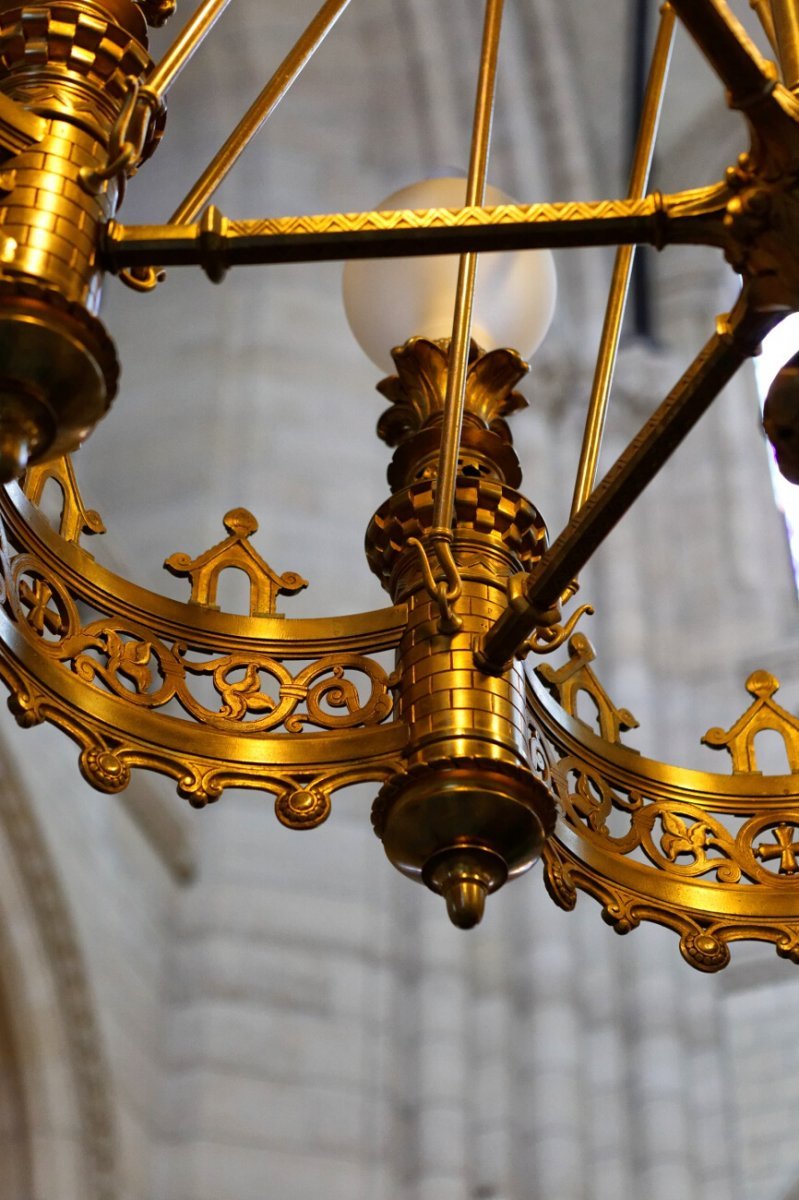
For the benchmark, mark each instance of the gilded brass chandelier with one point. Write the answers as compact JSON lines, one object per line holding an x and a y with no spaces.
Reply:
{"x":481,"y":761}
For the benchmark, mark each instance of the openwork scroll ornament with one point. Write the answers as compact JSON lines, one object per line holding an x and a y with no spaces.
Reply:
{"x":216,"y":701}
{"x":230,"y":697}
{"x":713,"y":857}
{"x":255,"y":692}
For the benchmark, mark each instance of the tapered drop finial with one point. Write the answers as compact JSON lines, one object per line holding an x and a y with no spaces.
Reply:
{"x":464,"y":876}
{"x":466,"y":900}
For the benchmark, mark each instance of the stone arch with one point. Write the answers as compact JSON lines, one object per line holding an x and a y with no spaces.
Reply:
{"x":65,"y":1132}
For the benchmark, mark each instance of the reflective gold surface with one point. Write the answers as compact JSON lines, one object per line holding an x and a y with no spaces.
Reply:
{"x":259,"y":111}
{"x":622,"y":266}
{"x":469,"y":808}
{"x":766,"y":18}
{"x":105,"y":660}
{"x":236,"y":552}
{"x":72,"y":69}
{"x":481,"y":771}
{"x":180,"y":53}
{"x":785,"y":19}
{"x":703,"y":854}
{"x":737,"y":338}
{"x":576,"y":676}
{"x":455,"y":395}
{"x":694,"y":216}
{"x":763,"y":713}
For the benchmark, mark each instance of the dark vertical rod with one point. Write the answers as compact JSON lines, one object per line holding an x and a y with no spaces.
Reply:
{"x":642,"y":321}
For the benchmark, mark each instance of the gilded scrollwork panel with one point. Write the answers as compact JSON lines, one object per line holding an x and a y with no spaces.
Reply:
{"x":713,"y":857}
{"x":218,"y":702}
{"x":205,"y":700}
{"x":255,"y":692}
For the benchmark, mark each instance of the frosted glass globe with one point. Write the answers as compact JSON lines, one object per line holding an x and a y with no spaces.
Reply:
{"x":389,"y":300}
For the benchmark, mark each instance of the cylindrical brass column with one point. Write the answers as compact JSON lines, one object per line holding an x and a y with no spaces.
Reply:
{"x":64,"y":76}
{"x":468,"y":812}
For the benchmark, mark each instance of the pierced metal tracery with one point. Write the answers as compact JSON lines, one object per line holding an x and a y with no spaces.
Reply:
{"x":301,"y":708}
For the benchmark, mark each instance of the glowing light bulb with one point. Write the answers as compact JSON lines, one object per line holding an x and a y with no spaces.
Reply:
{"x":389,"y":300}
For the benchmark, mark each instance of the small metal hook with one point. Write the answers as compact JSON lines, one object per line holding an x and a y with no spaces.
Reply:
{"x":550,"y":637}
{"x":549,"y":632}
{"x":141,"y":279}
{"x":446,"y":591}
{"x":124,"y":151}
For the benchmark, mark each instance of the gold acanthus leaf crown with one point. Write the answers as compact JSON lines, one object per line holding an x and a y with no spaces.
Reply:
{"x":418,"y":390}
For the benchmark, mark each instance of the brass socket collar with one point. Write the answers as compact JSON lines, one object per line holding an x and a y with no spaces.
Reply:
{"x":490,"y":806}
{"x":491,"y":511}
{"x":59,"y":366}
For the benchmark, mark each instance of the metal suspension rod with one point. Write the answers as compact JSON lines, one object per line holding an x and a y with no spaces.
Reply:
{"x":181,"y":51}
{"x":622,"y":268}
{"x":464,"y":297}
{"x":762,"y":9}
{"x":728,"y":48}
{"x":737,"y":337}
{"x":262,"y":108}
{"x":785,"y":14}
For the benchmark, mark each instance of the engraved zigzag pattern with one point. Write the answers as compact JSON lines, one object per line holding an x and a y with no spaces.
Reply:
{"x":449,"y":218}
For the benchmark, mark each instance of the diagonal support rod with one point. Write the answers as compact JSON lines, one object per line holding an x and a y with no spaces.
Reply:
{"x":762,"y":9}
{"x":737,"y":337}
{"x":785,"y":14}
{"x":181,"y":51}
{"x":144,"y":276}
{"x":746,"y":75}
{"x":259,"y":111}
